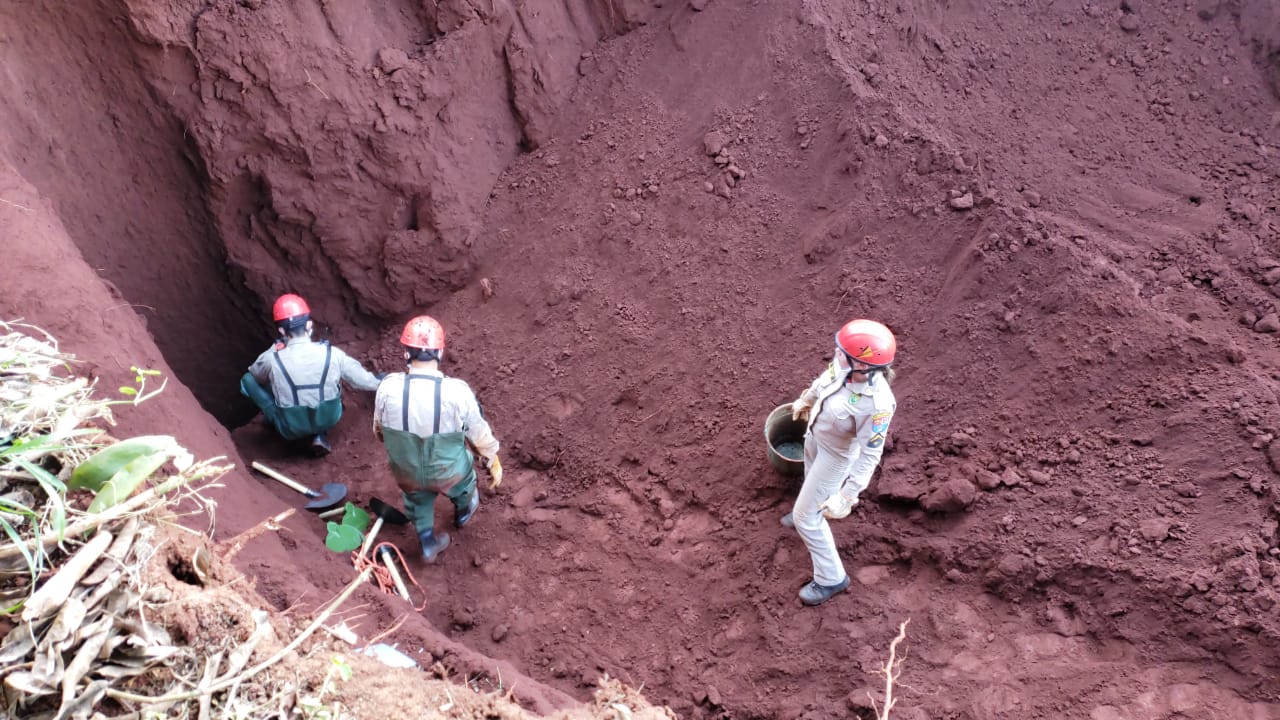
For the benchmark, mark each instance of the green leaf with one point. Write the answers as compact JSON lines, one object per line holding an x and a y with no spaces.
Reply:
{"x":342,"y":538}
{"x":26,"y":556}
{"x":52,"y":487}
{"x":95,"y":472}
{"x":126,"y":390}
{"x":355,"y":517}
{"x":126,"y":481}
{"x":344,"y":670}
{"x":16,"y":508}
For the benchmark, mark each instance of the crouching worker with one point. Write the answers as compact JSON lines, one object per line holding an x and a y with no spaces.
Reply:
{"x":426,"y":420}
{"x":296,"y":383}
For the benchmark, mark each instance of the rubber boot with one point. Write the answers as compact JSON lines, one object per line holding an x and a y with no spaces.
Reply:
{"x":432,"y":544}
{"x":464,"y":517}
{"x":815,"y":594}
{"x":320,"y":446}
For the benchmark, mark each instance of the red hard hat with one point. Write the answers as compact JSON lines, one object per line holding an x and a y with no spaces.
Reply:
{"x":867,"y":341}
{"x":289,"y":306}
{"x":424,"y":333}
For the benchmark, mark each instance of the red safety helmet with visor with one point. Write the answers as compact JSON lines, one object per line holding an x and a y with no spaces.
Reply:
{"x":867,"y":342}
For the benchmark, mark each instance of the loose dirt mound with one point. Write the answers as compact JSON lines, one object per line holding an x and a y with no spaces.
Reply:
{"x":1066,"y":213}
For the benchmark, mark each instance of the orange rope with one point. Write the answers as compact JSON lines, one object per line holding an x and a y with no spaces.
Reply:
{"x":382,"y":576}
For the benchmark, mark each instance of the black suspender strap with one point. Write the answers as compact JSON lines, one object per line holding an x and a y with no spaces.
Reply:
{"x":404,"y":402}
{"x":294,"y":387}
{"x":287,"y":377}
{"x":435,"y":430}
{"x":324,"y":374}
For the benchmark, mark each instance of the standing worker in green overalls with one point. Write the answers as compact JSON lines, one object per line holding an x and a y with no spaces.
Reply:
{"x":426,"y":421}
{"x":296,"y":383}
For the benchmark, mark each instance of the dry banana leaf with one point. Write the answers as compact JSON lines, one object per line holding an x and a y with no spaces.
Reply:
{"x":82,"y":707}
{"x":71,"y":617}
{"x":115,"y":671}
{"x":132,"y":651}
{"x":28,"y":684}
{"x":17,"y":644}
{"x":150,"y":633}
{"x":115,"y":555}
{"x":47,"y":667}
{"x":49,"y":598}
{"x":80,"y":666}
{"x":95,"y":597}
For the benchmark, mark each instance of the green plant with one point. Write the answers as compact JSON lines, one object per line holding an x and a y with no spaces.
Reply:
{"x":139,"y":394}
{"x":116,"y":471}
{"x":313,"y":707}
{"x":347,"y":535}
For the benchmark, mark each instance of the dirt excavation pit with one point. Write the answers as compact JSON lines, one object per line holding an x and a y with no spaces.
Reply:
{"x":640,"y":225}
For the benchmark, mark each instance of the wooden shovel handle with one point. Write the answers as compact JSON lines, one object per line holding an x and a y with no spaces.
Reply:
{"x":395,"y":574}
{"x":368,"y":539}
{"x":277,"y":476}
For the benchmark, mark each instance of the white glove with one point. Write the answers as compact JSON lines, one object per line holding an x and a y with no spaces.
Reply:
{"x":800,"y":410}
{"x":838,"y":506}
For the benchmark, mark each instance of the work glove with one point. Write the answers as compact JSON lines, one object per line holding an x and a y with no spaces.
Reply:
{"x":838,"y":506}
{"x":800,"y":410}
{"x":495,"y":472}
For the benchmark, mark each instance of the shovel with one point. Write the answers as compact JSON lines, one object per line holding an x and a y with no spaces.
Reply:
{"x":330,"y":495}
{"x":385,"y":514}
{"x":389,"y":561}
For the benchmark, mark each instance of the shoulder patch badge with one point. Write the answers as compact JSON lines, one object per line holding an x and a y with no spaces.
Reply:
{"x":876,"y":441}
{"x":880,"y":422}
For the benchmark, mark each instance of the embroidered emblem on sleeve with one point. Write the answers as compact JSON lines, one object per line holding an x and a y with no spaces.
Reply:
{"x":880,"y":422}
{"x":876,"y":441}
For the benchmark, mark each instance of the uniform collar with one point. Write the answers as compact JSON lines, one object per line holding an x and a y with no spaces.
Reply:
{"x":298,"y":340}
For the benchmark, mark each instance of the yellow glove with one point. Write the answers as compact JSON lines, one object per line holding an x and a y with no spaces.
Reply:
{"x":800,"y":410}
{"x":495,"y":472}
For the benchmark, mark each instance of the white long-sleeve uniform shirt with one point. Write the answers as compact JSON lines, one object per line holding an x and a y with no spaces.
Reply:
{"x":851,"y":420}
{"x":304,"y":360}
{"x":459,"y":409}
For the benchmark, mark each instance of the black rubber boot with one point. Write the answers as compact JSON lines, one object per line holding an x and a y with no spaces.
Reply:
{"x":320,"y":446}
{"x":432,"y":544}
{"x":464,"y":517}
{"x":815,"y":594}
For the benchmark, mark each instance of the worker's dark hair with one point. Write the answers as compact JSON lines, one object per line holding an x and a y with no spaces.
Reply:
{"x":422,"y":354}
{"x":295,"y":326}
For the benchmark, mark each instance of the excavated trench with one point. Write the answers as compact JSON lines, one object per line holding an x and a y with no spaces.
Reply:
{"x":84,"y":126}
{"x":662,"y":266}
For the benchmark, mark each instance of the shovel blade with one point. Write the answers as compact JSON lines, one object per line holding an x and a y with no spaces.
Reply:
{"x":389,"y":514}
{"x":330,"y":496}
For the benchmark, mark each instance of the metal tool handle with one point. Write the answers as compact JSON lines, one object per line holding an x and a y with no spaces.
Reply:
{"x":395,"y":574}
{"x":277,"y":476}
{"x":373,"y":533}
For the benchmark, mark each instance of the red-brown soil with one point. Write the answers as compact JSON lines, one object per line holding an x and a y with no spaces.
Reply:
{"x":1066,"y":213}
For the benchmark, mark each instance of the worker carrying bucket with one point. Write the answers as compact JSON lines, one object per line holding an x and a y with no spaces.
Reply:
{"x":846,"y":413}
{"x":428,"y":423}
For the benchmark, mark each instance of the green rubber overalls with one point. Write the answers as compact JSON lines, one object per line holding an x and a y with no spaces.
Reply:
{"x":427,"y":466}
